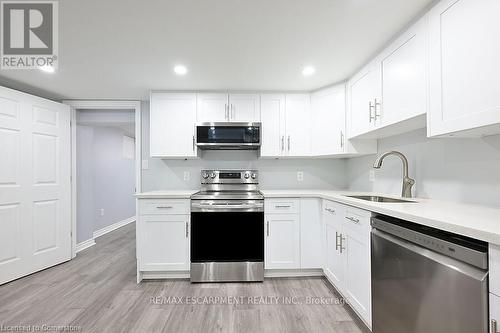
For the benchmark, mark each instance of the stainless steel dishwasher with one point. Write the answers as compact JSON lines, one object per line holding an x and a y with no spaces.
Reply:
{"x":425,"y":280}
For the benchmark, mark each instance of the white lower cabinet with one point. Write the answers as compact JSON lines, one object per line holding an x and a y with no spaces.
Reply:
{"x":347,"y":246}
{"x":311,"y":251}
{"x":282,"y":244}
{"x":494,"y":259}
{"x":163,"y":239}
{"x":494,"y":312}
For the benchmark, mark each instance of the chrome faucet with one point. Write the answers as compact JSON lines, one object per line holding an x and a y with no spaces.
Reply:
{"x":407,"y":181}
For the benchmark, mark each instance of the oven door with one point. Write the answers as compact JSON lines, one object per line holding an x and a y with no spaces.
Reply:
{"x":228,"y":135}
{"x":227,"y":240}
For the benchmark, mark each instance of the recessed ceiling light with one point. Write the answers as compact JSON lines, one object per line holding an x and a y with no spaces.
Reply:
{"x":180,"y":70}
{"x":47,"y":69}
{"x":308,"y":71}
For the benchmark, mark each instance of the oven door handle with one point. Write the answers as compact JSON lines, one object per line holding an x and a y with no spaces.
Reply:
{"x":227,"y":208}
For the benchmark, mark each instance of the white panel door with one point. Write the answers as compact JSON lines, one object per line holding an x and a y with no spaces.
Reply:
{"x":335,"y":260}
{"x":364,"y":89}
{"x":328,"y":121}
{"x":282,"y":245}
{"x":311,"y":254}
{"x":464,"y":65}
{"x":212,"y":108}
{"x":35,"y":206}
{"x":298,"y":120}
{"x":273,"y":125}
{"x":244,"y":107}
{"x":165,"y":243}
{"x":172,"y":125}
{"x":404,"y":76}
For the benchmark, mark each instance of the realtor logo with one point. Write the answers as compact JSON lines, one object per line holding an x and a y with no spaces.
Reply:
{"x":29,"y":34}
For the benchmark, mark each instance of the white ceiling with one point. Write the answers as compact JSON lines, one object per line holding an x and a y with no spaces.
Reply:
{"x":120,"y":49}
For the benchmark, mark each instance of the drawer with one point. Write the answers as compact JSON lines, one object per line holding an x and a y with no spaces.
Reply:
{"x":164,"y":206}
{"x":357,"y":219}
{"x":494,"y":254}
{"x":282,"y":206}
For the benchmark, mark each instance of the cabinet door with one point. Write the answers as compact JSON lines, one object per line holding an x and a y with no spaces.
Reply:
{"x":244,"y":107}
{"x":298,"y":132}
{"x":358,"y":270}
{"x":311,"y":254}
{"x":364,"y":90}
{"x":494,"y":258}
{"x":328,"y":121}
{"x":282,"y":246}
{"x":335,"y":260}
{"x":273,"y":125}
{"x":495,"y":310}
{"x":404,"y":77}
{"x":464,"y":66}
{"x":165,"y":242}
{"x":172,"y":125}
{"x":212,"y":108}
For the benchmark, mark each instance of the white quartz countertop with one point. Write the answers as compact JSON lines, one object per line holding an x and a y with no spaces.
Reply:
{"x":474,"y":221}
{"x":181,"y":194}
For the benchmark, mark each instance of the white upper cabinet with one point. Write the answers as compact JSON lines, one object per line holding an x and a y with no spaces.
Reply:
{"x":365,"y":95}
{"x":298,"y":132}
{"x":328,"y":121}
{"x":213,"y":108}
{"x":404,"y":77}
{"x":464,"y":68}
{"x":244,"y":107}
{"x":273,"y":125}
{"x":172,"y":125}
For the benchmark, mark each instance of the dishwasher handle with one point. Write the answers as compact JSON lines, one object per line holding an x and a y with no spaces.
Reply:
{"x":462,"y":267}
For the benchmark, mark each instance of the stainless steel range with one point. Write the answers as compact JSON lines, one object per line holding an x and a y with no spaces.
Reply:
{"x":227,"y":227}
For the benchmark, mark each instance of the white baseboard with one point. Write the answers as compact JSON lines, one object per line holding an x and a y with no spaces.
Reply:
{"x":278,"y":273}
{"x":114,"y":226}
{"x":164,"y":275}
{"x":85,"y":245}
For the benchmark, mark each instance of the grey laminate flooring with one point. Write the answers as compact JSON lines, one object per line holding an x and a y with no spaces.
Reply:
{"x":97,"y":292}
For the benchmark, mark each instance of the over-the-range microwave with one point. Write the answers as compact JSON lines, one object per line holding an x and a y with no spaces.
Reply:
{"x":228,"y":136}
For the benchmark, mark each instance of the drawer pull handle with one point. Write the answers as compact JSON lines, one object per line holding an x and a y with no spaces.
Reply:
{"x":330,"y":210}
{"x":164,"y":207}
{"x":352,"y":219}
{"x":281,"y":206}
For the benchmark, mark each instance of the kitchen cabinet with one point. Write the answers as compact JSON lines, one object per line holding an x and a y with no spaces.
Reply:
{"x":172,"y":125}
{"x":282,"y":234}
{"x":494,"y":260}
{"x":232,"y":108}
{"x":244,"y":107}
{"x":212,"y":108}
{"x":163,"y":235}
{"x":464,"y":68}
{"x":273,"y":125}
{"x":311,"y":251}
{"x":348,"y":263}
{"x":494,"y":312}
{"x":298,"y":131}
{"x":328,"y":110}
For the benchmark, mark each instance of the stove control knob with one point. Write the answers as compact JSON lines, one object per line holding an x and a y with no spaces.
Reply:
{"x":205,"y":175}
{"x":247,"y":175}
{"x":254,"y":176}
{"x":213,"y":175}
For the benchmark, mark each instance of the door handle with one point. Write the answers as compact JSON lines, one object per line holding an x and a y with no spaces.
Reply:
{"x":494,"y":328}
{"x":226,"y":112}
{"x":282,"y":142}
{"x":342,"y":239}
{"x":164,"y":207}
{"x":375,"y":105}
{"x":233,"y":112}
{"x":370,"y":108}
{"x":193,"y":144}
{"x":350,"y":218}
{"x":337,"y":236}
{"x":267,"y":229}
{"x":187,"y":230}
{"x":341,"y":139}
{"x":289,"y":143}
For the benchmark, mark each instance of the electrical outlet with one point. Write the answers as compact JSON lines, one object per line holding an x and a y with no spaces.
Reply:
{"x":371,"y":176}
{"x":187,"y":176}
{"x":101,"y":211}
{"x":145,"y":164}
{"x":300,"y":176}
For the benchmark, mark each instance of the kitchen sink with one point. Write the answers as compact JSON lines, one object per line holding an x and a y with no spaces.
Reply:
{"x":379,"y":199}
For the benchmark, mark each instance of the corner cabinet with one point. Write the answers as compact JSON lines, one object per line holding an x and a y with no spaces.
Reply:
{"x":172,"y":125}
{"x":163,"y":229}
{"x":465,"y":68}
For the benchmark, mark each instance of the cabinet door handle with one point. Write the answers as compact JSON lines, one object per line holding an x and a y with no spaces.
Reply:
{"x":282,"y":142}
{"x":494,"y":328}
{"x":164,"y":207}
{"x":337,"y":236}
{"x":233,"y":112}
{"x":187,"y":229}
{"x":282,"y":206}
{"x":194,"y":146}
{"x":376,"y":106}
{"x":330,"y":210}
{"x":341,"y":139}
{"x":226,"y":111}
{"x":350,"y":218}
{"x":267,"y":228}
{"x":289,"y":143}
{"x":370,"y":108}
{"x":342,"y":239}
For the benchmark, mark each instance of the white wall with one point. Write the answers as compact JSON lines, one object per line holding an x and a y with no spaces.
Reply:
{"x":460,"y":170}
{"x":274,"y":174}
{"x":106,"y":180}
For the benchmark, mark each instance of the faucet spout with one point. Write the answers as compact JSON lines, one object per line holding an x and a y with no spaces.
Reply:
{"x":407,"y":181}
